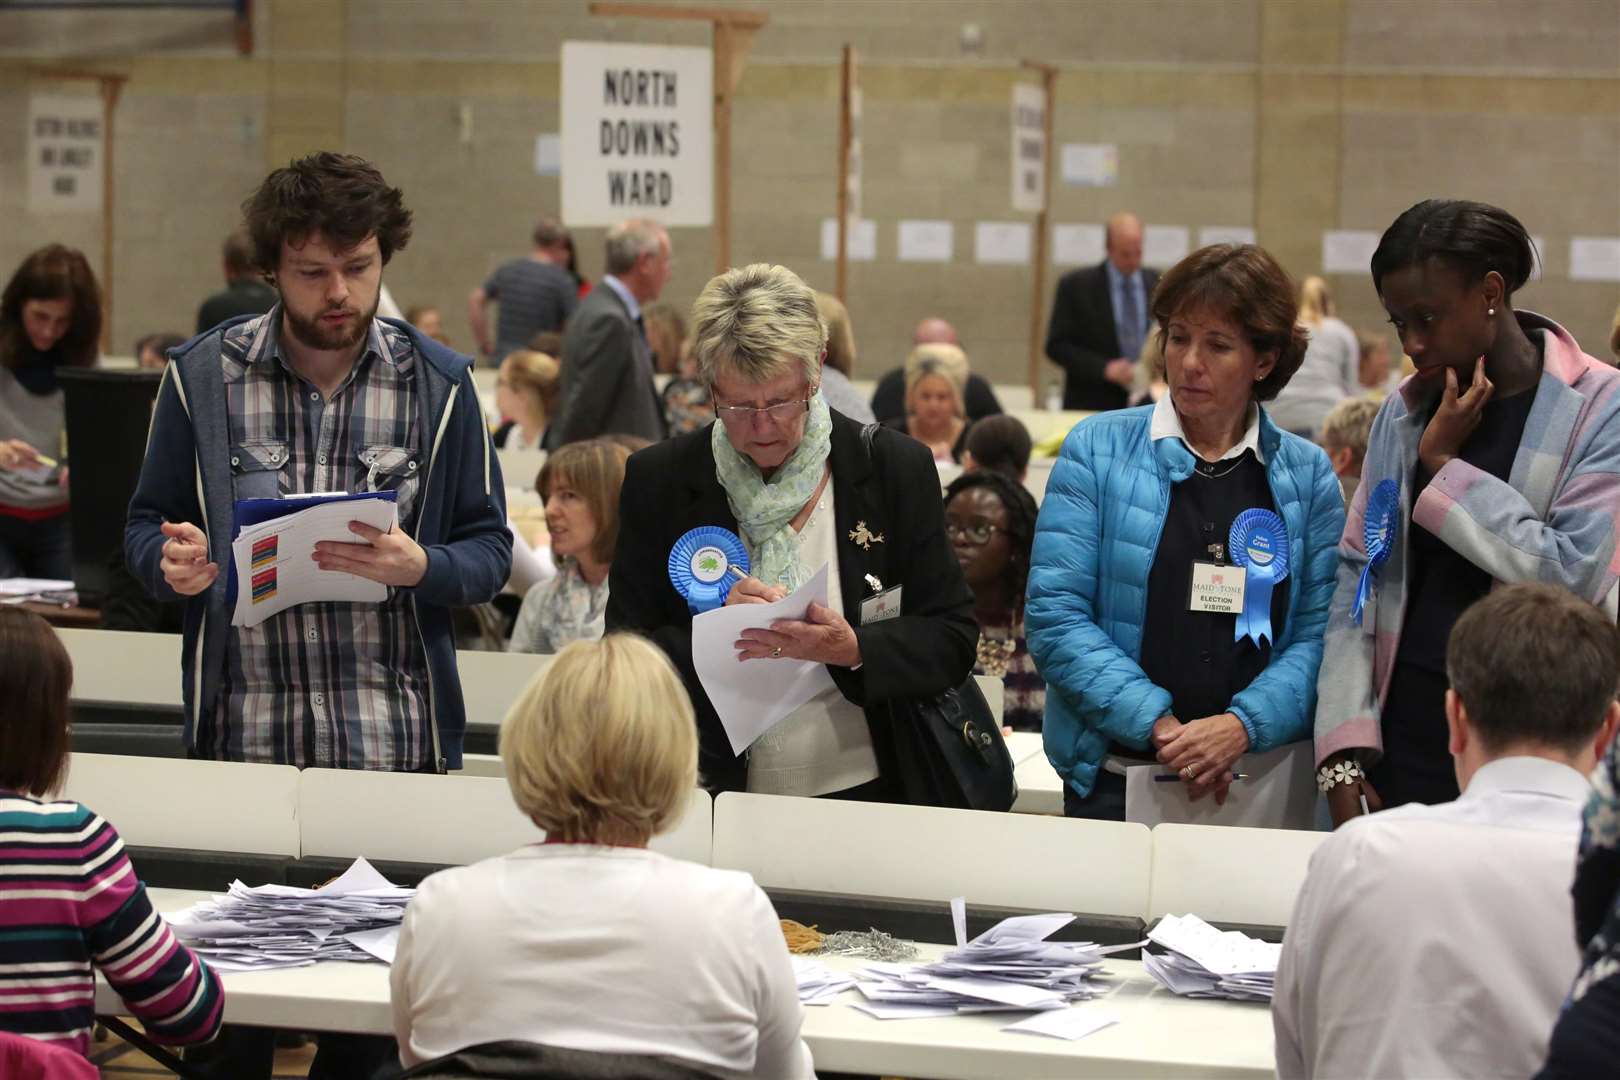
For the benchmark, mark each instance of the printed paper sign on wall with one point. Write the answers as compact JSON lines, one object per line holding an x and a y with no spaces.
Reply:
{"x":64,"y":153}
{"x":637,"y":134}
{"x":1028,"y":147}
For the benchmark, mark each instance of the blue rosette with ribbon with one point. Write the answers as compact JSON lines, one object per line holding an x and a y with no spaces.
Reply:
{"x":1258,"y":543}
{"x":1379,"y":523}
{"x":699,"y":566}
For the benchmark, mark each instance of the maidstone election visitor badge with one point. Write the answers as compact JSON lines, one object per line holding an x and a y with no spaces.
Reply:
{"x":885,"y":605}
{"x":1217,"y":588}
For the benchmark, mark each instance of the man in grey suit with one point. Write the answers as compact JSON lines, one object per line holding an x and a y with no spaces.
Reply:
{"x":607,"y":371}
{"x":1100,"y":319}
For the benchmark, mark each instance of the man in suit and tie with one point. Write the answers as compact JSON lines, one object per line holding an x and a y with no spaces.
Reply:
{"x":1100,"y":319}
{"x":607,"y":371}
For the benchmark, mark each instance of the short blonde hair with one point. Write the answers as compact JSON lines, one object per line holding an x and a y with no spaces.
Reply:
{"x":1350,"y":424}
{"x":754,"y":322}
{"x":601,"y":747}
{"x":840,"y":334}
{"x":937,"y":358}
{"x":534,"y":372}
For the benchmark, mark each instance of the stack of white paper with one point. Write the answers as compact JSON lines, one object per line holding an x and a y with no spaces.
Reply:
{"x":275,"y":568}
{"x":1009,"y":968}
{"x":1206,"y":962}
{"x":818,"y":983}
{"x":355,"y":917}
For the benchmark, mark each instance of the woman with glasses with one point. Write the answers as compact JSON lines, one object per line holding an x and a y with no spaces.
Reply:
{"x":801,"y":487}
{"x":990,"y":522}
{"x":1185,"y":552}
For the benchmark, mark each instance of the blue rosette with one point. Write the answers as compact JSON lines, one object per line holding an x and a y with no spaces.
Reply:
{"x":1258,"y":543}
{"x":699,"y":564}
{"x":1381,"y":519}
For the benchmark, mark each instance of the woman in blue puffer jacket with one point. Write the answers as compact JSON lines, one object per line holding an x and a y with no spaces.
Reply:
{"x":1185,"y":554}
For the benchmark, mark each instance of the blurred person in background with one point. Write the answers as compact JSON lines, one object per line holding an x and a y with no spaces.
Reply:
{"x":935,"y":412}
{"x":838,"y":366}
{"x":889,"y":396}
{"x":1332,"y":368}
{"x":526,"y":390}
{"x":246,"y":292}
{"x":1344,"y":437}
{"x":1000,"y":444}
{"x":534,"y":292}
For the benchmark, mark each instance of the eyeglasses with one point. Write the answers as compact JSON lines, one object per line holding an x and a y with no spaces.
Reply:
{"x":781,"y":412}
{"x":977,"y":531}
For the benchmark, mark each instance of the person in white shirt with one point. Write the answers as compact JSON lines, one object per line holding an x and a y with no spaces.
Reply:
{"x":1438,"y":941}
{"x":588,"y":943}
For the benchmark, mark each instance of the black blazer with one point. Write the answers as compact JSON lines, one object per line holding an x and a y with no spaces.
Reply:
{"x":1082,"y":339}
{"x":671,"y":487}
{"x":607,"y":376}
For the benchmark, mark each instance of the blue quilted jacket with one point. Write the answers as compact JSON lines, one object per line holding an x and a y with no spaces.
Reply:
{"x":1094,"y":545}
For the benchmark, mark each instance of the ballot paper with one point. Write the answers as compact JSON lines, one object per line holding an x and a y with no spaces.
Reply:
{"x":818,"y":983}
{"x":1205,"y":962}
{"x":1009,"y":968}
{"x":753,"y":696}
{"x":272,"y":561}
{"x":355,"y":917}
{"x":1071,"y":1023}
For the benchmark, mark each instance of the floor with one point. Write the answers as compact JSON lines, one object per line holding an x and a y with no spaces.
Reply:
{"x":120,"y":1061}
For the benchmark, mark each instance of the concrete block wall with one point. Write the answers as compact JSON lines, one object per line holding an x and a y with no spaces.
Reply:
{"x":1291,"y":116}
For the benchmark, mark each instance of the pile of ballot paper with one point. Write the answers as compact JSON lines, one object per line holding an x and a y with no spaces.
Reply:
{"x":1205,"y":962}
{"x":354,"y":917}
{"x":1010,"y":967}
{"x":818,"y":983}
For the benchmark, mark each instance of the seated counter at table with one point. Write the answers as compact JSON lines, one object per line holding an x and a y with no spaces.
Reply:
{"x":1146,"y":502}
{"x":70,"y":903}
{"x":589,"y":941}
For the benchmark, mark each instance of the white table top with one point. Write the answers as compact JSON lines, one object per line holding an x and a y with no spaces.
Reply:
{"x":1158,"y":1034}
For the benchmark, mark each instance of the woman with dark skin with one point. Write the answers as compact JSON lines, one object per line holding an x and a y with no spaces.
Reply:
{"x":990,"y":523}
{"x":1498,"y":460}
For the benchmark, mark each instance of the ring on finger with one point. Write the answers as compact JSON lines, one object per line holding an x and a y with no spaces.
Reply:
{"x":1188,"y":772}
{"x":776,"y":653}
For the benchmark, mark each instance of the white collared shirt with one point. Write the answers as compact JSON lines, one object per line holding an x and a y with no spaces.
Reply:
{"x":1436,"y":941}
{"x":1166,"y":424}
{"x":623,"y":290}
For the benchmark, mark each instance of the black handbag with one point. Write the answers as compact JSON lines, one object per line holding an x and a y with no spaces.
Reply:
{"x":948,"y":750}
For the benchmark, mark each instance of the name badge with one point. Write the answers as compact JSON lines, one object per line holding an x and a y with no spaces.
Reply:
{"x":1217,"y":588}
{"x":885,"y":605}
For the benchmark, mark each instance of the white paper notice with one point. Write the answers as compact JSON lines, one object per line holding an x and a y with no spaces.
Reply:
{"x":1028,"y":147}
{"x":1225,"y":234}
{"x":1348,"y":251}
{"x":1594,"y":258}
{"x":1280,"y":793}
{"x":1071,"y":1023}
{"x":862,"y":240}
{"x":548,"y":155}
{"x":1090,"y":164}
{"x":1003,"y":242}
{"x":1165,"y":245}
{"x":926,"y":241}
{"x":1077,"y":245}
{"x":274,"y":565}
{"x":753,"y":696}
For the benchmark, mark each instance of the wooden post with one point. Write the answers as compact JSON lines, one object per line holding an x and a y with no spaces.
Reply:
{"x":733,"y":37}
{"x":1037,"y":304}
{"x":111,"y":87}
{"x":846,"y":125}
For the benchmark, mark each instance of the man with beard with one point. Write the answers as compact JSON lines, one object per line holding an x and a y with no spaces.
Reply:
{"x":319,"y":395}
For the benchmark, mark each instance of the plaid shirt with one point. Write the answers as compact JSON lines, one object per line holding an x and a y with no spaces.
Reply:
{"x":335,"y":685}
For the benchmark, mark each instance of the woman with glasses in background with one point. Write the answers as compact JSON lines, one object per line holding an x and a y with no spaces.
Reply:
{"x":801,"y":488}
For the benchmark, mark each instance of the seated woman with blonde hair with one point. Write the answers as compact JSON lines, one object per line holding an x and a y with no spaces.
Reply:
{"x":936,"y":415}
{"x":526,"y":390}
{"x":589,"y":950}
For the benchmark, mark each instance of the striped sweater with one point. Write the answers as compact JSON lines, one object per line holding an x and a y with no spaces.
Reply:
{"x":1554,"y":520}
{"x":70,"y":902}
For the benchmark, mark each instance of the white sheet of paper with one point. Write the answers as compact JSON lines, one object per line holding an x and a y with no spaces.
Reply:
{"x":1279,"y":794}
{"x":548,"y":155}
{"x":1594,"y":258}
{"x":27,"y":586}
{"x":1090,"y":164}
{"x":959,"y":919}
{"x":1348,"y":251}
{"x":296,"y":579}
{"x":1225,"y":234}
{"x":1071,"y":1023}
{"x":1078,"y":245}
{"x":1165,"y":245}
{"x":382,"y":943}
{"x":862,"y":239}
{"x":1002,"y":242}
{"x":926,"y":241}
{"x":753,"y":696}
{"x":883,"y":1011}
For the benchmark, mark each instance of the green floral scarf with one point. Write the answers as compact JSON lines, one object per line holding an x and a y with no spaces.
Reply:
{"x":765,"y":508}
